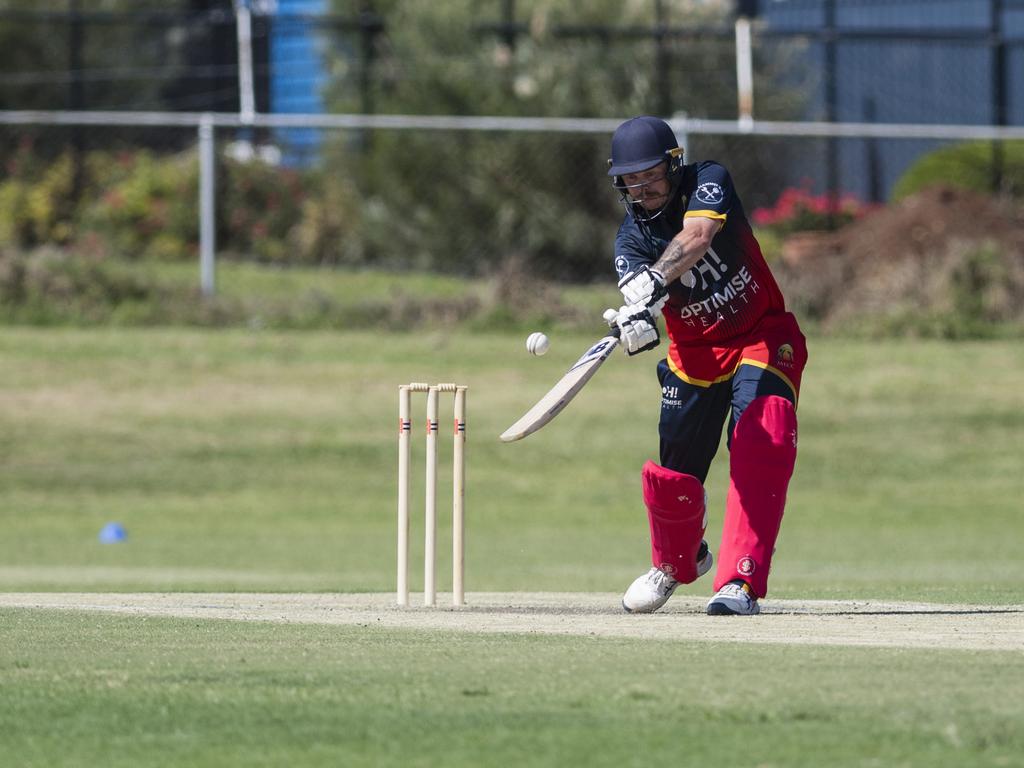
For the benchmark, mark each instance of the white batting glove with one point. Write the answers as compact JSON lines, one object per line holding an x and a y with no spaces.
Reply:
{"x":645,"y":287}
{"x":638,"y":329}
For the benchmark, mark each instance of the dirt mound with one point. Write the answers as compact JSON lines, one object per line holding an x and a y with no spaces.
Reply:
{"x":945,"y":262}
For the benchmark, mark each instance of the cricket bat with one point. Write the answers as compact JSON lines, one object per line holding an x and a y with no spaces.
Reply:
{"x":560,"y":395}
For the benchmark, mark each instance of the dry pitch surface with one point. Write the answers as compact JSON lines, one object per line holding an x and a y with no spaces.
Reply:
{"x":787,"y":622}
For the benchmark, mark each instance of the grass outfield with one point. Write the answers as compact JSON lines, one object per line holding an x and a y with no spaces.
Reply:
{"x":266,"y":461}
{"x":94,"y":690}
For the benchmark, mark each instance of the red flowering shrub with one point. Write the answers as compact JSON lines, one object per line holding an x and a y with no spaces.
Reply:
{"x":799,"y":210}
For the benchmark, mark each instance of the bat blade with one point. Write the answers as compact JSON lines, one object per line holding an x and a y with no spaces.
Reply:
{"x":560,"y":395}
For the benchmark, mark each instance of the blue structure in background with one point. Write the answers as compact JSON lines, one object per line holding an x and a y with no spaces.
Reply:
{"x":297,"y":76}
{"x":916,"y":61}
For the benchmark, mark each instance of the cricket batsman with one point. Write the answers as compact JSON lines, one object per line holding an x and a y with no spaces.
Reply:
{"x":685,"y":251}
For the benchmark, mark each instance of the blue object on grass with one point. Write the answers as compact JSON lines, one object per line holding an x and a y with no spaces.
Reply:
{"x":113,"y":533}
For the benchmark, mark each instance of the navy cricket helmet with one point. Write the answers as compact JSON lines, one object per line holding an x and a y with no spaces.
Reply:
{"x":638,"y":144}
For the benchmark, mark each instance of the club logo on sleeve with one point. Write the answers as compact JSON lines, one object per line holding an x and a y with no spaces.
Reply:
{"x":621,"y":265}
{"x":785,"y":354}
{"x":710,"y":193}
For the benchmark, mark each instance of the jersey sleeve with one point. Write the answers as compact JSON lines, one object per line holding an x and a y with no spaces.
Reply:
{"x":631,"y":252}
{"x":713,"y":194}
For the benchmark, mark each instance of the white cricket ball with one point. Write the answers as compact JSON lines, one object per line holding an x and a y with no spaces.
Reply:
{"x":537,"y":343}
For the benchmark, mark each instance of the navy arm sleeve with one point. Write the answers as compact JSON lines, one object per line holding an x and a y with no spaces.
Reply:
{"x":631,"y":250}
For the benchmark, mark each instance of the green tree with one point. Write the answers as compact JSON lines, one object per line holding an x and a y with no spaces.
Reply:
{"x":95,"y":54}
{"x":475,"y":202}
{"x":969,"y":165}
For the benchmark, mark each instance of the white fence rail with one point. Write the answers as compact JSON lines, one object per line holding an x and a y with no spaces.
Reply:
{"x":681,"y":124}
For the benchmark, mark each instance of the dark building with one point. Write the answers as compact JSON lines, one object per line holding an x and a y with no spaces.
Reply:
{"x":902,"y":61}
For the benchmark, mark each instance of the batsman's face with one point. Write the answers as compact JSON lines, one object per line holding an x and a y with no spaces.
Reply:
{"x":649,"y":187}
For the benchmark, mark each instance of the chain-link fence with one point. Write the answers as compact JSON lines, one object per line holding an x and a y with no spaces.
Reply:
{"x":864,"y":61}
{"x":455,"y":200}
{"x":368,"y":172}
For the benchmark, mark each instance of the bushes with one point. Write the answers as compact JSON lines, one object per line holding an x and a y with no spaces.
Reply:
{"x":967,"y":166}
{"x":51,"y":285}
{"x":139,"y":205}
{"x":328,"y":227}
{"x":134,"y":205}
{"x":260,"y":205}
{"x":41,"y":209}
{"x":145,"y":206}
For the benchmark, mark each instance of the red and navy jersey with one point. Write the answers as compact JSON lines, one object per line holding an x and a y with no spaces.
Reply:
{"x":731,"y":288}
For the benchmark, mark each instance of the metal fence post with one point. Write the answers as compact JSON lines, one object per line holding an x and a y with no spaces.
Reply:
{"x":744,"y":73}
{"x":207,"y":204}
{"x":246,"y":92}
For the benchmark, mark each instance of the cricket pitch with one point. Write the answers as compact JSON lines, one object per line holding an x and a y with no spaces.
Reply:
{"x":783,"y":622}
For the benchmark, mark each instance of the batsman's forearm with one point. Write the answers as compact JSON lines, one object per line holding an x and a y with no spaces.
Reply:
{"x":685,"y":250}
{"x":677,"y":259}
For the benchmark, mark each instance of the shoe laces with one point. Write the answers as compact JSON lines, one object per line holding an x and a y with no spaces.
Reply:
{"x":660,"y":580}
{"x":735,"y":590}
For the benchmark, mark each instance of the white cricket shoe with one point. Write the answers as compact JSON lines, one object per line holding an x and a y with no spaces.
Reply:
{"x":652,"y":590}
{"x":733,"y":600}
